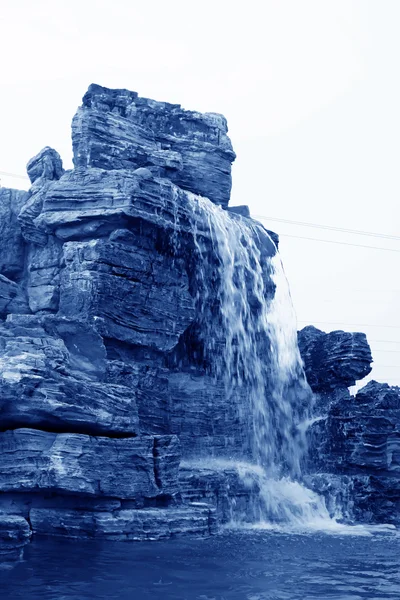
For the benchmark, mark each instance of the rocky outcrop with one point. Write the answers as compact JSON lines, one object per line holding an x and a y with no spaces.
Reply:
{"x":112,"y":332}
{"x":53,"y":378}
{"x":43,"y":170}
{"x":152,"y":309}
{"x":12,"y":245}
{"x":335,"y":359}
{"x":355,"y":438}
{"x":116,"y":129}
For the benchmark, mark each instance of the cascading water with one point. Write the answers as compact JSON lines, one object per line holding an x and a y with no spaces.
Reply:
{"x":259,"y":360}
{"x":258,"y":355}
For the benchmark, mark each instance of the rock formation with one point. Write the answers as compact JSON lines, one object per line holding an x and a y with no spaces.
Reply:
{"x":355,"y":439}
{"x":150,"y":376}
{"x":113,"y":339}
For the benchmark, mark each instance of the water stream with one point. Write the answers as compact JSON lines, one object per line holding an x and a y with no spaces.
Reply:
{"x":258,"y":358}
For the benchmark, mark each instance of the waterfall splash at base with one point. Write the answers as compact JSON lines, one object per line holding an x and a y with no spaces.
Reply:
{"x":259,"y":361}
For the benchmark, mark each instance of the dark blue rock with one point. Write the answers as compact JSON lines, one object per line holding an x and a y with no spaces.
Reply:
{"x":116,"y":129}
{"x":12,"y":245}
{"x":127,"y":468}
{"x":358,"y":441}
{"x":15,"y":533}
{"x":338,"y":358}
{"x":139,"y":524}
{"x":43,"y":170}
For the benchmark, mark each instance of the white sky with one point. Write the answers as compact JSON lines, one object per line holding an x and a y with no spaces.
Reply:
{"x":311,"y":90}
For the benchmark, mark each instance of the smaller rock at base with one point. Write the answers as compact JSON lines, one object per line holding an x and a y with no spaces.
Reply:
{"x":15,"y":533}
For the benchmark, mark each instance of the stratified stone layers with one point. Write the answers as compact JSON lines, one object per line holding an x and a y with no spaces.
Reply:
{"x":355,"y":442}
{"x":15,"y":533}
{"x":108,"y":274}
{"x":115,"y":129}
{"x":128,"y":468}
{"x":335,"y":359}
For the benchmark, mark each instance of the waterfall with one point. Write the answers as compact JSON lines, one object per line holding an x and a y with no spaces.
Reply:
{"x":256,"y":353}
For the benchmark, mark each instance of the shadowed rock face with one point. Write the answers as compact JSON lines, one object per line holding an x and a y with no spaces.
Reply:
{"x":338,"y":358}
{"x":355,"y":441}
{"x":52,"y":377}
{"x":12,"y":245}
{"x":15,"y":533}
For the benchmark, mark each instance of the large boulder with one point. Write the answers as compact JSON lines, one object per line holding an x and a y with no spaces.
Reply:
{"x":43,"y":169}
{"x":358,"y":441}
{"x":133,"y":294}
{"x":338,"y":358}
{"x":116,"y":129}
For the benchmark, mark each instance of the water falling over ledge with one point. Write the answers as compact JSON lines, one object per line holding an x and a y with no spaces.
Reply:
{"x":259,"y":360}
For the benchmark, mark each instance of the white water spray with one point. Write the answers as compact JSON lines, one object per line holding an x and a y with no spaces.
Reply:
{"x":260,"y":361}
{"x":259,"y":357}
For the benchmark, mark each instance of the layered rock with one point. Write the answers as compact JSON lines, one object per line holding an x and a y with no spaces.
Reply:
{"x":129,"y":468}
{"x":335,"y":359}
{"x":127,"y":524}
{"x":112,"y":337}
{"x":355,"y":438}
{"x":15,"y":533}
{"x":12,"y":244}
{"x":116,"y":129}
{"x":52,"y":377}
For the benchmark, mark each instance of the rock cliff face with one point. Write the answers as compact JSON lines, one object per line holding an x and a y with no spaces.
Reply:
{"x":113,"y":339}
{"x":355,"y":439}
{"x":151,"y":383}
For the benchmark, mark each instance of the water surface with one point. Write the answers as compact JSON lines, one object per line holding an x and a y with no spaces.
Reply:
{"x":236,"y":565}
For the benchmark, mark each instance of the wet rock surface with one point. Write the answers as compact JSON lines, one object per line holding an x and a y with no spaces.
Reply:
{"x":131,"y":525}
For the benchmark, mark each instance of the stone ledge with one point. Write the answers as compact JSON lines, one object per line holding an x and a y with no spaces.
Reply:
{"x":131,"y":525}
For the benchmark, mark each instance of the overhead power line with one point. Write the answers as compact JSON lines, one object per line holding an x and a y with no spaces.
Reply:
{"x":5,"y":173}
{"x":331,"y":228}
{"x":384,"y":341}
{"x":357,"y":290}
{"x":348,"y":324}
{"x":300,"y":237}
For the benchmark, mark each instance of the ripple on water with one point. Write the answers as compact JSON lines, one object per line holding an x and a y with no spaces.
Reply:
{"x":234,"y":566}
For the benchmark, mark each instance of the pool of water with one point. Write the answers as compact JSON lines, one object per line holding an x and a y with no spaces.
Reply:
{"x":256,"y":565}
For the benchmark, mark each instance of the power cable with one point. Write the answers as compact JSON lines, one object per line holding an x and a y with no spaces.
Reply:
{"x":13,"y":175}
{"x":384,"y":341}
{"x":348,"y":324}
{"x":331,"y":228}
{"x":300,"y":237}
